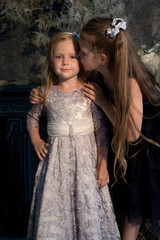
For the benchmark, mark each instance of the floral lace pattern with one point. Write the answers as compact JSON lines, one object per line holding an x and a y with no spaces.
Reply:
{"x":67,"y":203}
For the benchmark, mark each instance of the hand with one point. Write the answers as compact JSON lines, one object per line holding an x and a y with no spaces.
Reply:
{"x":41,"y":148}
{"x":36,"y":96}
{"x":102,"y":174}
{"x":94,"y":92}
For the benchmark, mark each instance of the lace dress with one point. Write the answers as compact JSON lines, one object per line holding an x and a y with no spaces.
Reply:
{"x":141,"y":196}
{"x":67,"y":203}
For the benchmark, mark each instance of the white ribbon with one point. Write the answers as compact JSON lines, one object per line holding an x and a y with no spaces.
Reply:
{"x":117,"y":23}
{"x":79,"y":127}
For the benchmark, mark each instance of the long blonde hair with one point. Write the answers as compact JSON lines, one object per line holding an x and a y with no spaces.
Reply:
{"x":50,"y":77}
{"x":124,"y":63}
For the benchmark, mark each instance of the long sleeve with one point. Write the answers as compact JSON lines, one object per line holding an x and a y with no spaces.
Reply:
{"x":101,"y":124}
{"x":33,"y":116}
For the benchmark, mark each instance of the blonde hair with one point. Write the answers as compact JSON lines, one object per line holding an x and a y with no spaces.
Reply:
{"x":124,"y":63}
{"x":50,"y":77}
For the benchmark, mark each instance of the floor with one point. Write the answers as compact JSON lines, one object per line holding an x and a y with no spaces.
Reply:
{"x":13,"y":224}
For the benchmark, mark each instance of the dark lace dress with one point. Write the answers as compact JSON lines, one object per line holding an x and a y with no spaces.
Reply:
{"x":141,"y":196}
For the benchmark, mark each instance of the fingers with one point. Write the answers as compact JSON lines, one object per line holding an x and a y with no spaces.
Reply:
{"x":35,"y":96}
{"x":103,"y":182}
{"x":33,"y":100}
{"x":94,"y":92}
{"x":42,"y":152}
{"x":102,"y":178}
{"x":89,"y":95}
{"x":92,"y":86}
{"x":47,"y":145}
{"x":39,"y":156}
{"x":35,"y":93}
{"x":89,"y":88}
{"x":89,"y":91}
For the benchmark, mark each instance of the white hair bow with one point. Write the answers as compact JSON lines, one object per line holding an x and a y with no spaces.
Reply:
{"x":113,"y":30}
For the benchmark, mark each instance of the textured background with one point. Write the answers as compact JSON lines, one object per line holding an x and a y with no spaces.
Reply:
{"x":25,"y":28}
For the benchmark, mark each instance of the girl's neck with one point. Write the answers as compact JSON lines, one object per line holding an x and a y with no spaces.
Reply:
{"x":108,"y":82}
{"x":107,"y":77}
{"x":69,"y":85}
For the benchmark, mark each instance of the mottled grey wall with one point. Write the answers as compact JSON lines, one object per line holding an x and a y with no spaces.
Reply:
{"x":144,"y":21}
{"x":25,"y":28}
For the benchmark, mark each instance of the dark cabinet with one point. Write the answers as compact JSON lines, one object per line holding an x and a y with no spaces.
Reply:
{"x":18,"y":160}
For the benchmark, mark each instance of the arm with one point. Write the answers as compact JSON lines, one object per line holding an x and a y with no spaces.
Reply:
{"x":101,"y":169}
{"x":39,"y":145}
{"x":33,"y":129}
{"x":134,"y":125}
{"x":136,"y":112}
{"x":96,"y":94}
{"x":102,"y":126}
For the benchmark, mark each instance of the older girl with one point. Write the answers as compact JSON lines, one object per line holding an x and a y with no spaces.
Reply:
{"x":131,"y":101}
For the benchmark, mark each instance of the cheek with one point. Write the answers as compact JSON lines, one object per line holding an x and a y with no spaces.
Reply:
{"x":55,"y":67}
{"x":77,"y":67}
{"x":83,"y":60}
{"x":88,"y":63}
{"x":56,"y":64}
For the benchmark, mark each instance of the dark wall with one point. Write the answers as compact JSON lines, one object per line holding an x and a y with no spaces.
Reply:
{"x":144,"y":24}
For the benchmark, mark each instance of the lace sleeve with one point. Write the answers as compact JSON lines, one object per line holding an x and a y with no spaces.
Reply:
{"x":33,"y":116}
{"x":101,"y":125}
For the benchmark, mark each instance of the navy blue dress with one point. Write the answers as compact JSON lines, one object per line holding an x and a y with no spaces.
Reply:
{"x":141,"y":196}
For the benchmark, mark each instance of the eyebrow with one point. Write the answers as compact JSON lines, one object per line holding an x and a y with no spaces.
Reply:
{"x":61,"y":53}
{"x":85,"y":52}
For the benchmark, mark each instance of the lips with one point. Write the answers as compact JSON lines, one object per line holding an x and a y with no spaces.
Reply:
{"x":65,"y":70}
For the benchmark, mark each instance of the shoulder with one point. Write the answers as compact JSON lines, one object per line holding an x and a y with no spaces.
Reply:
{"x":135,"y":89}
{"x":133,"y":82}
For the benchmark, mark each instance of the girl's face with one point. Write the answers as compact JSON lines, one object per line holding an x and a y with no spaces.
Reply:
{"x":65,"y":60}
{"x":88,"y":58}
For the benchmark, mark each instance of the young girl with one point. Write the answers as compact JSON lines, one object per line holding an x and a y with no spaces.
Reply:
{"x":68,"y":200}
{"x":132,"y":104}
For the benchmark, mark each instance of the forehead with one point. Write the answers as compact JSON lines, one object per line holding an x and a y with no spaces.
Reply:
{"x":65,"y":45}
{"x":84,"y":45}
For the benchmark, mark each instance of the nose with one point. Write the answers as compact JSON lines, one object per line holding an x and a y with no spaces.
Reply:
{"x":65,"y":61}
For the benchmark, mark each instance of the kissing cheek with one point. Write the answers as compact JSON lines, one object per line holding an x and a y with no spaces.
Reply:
{"x":87,"y":56}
